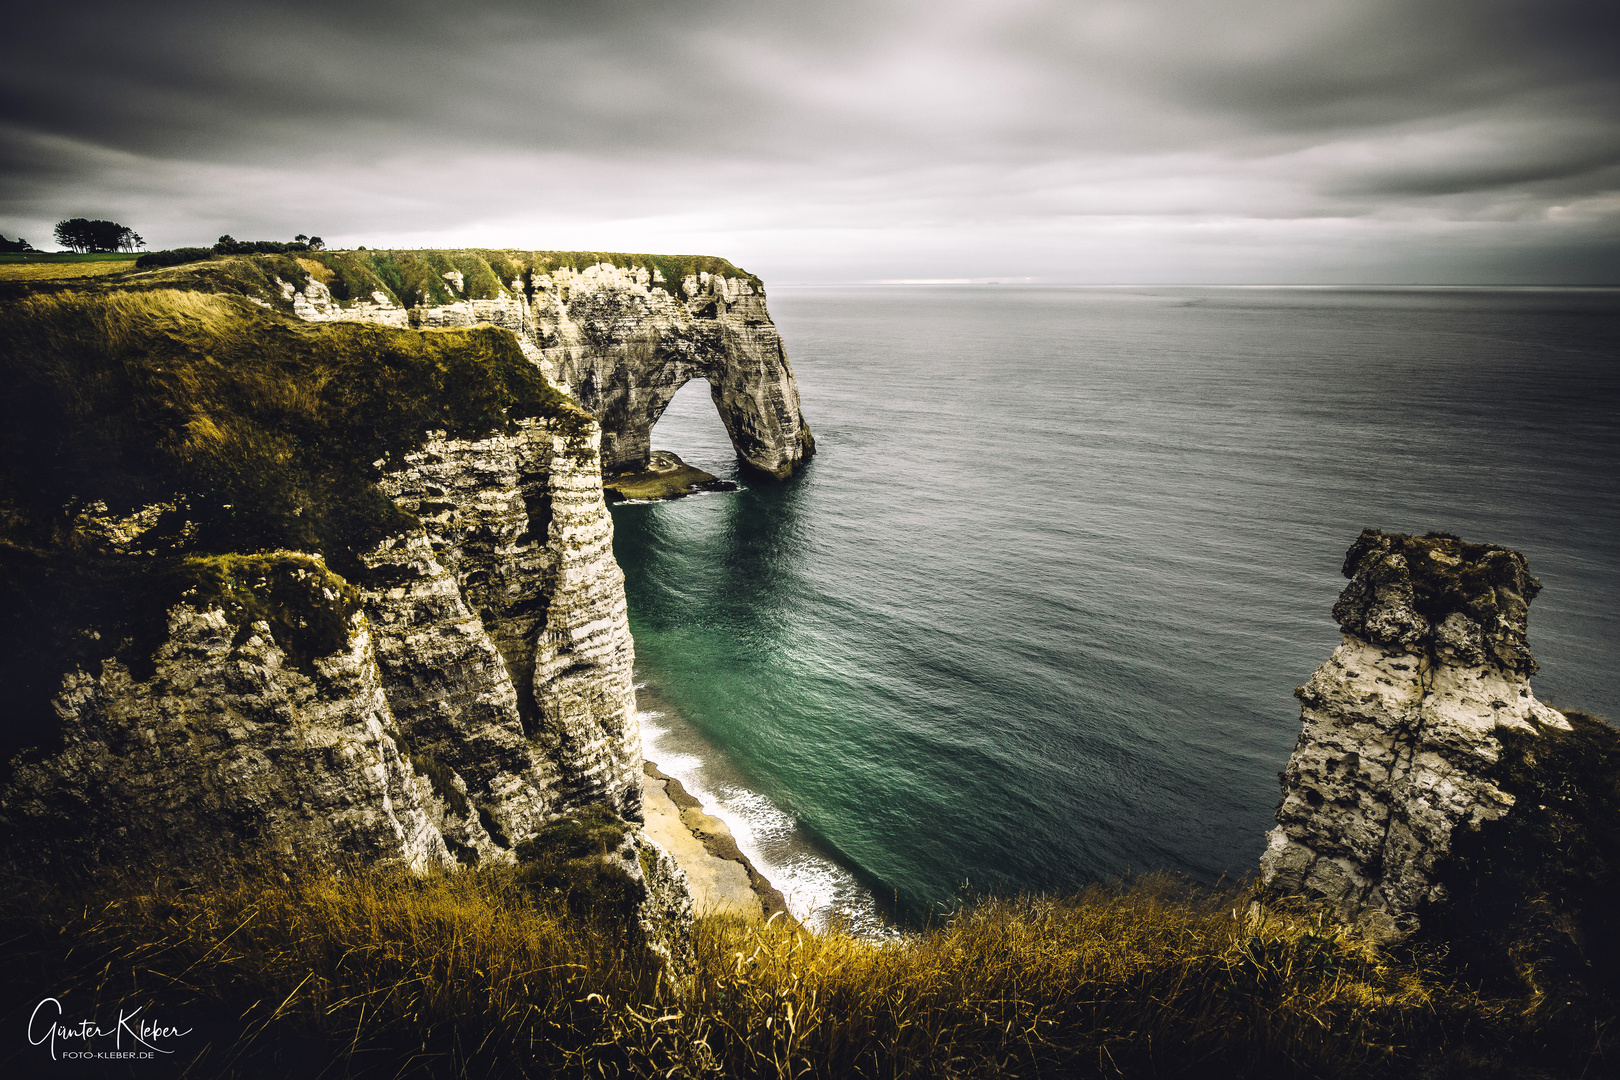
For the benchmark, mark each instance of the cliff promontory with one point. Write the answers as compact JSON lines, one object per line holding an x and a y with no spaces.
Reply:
{"x":310,"y":556}
{"x":621,"y":333}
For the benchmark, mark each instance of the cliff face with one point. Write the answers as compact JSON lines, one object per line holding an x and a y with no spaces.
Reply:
{"x":501,"y":628}
{"x":226,"y":749}
{"x":481,"y":685}
{"x":1402,"y":727}
{"x":616,"y":330}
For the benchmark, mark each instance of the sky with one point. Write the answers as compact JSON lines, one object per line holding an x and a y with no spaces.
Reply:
{"x":1095,"y":141}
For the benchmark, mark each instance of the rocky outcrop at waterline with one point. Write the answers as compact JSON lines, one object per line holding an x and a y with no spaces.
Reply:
{"x":1408,"y":731}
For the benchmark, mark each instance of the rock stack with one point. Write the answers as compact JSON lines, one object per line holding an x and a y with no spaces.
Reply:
{"x":1400,"y":727}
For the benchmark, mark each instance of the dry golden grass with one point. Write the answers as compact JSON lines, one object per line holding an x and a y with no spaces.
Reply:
{"x":473,"y":975}
{"x":20,"y":271}
{"x":319,"y":270}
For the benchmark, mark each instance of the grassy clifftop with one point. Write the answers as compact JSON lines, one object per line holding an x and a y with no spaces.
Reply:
{"x":405,"y":277}
{"x":417,"y":277}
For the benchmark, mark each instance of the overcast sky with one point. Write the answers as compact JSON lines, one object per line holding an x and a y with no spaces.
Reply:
{"x":840,"y":140}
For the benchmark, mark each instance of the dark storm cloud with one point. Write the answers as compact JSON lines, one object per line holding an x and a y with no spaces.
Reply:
{"x":1289,"y":131}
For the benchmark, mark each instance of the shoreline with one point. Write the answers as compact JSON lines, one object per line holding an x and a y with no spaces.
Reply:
{"x":722,"y":879}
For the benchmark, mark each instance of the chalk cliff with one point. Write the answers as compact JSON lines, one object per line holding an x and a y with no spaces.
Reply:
{"x":479,"y":683}
{"x":227,"y":749}
{"x":1403,"y":727}
{"x":472,"y":673}
{"x":459,"y":677}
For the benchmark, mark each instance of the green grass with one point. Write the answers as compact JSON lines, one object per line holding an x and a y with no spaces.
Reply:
{"x":67,"y":256}
{"x":489,"y":973}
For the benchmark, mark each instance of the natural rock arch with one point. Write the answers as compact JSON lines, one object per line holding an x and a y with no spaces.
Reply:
{"x":625,"y":349}
{"x":622,"y":333}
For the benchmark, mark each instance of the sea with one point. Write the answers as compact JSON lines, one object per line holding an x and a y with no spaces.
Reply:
{"x":1033,"y":616}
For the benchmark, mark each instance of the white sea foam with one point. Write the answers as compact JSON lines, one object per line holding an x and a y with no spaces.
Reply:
{"x":817,"y":890}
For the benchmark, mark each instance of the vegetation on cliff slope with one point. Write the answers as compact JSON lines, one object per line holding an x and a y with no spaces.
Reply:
{"x":483,"y":973}
{"x":143,"y":432}
{"x":1533,"y":896}
{"x":417,"y":277}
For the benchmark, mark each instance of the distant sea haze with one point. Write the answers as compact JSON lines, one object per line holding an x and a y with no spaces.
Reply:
{"x":1034,"y":615}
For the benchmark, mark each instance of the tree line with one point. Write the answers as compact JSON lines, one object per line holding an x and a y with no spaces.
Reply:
{"x":87,"y":236}
{"x":83,"y":235}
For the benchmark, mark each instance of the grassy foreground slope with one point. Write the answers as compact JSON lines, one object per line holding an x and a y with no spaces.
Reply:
{"x":482,"y":973}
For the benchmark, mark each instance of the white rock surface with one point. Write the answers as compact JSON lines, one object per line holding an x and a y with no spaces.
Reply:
{"x":226,"y":750}
{"x":1398,"y":727}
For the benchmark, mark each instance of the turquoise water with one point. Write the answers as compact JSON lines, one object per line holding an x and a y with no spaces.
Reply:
{"x":1034,"y":615}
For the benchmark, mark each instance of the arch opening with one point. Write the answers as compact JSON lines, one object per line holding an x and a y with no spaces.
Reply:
{"x":691,"y":428}
{"x":689,"y":450}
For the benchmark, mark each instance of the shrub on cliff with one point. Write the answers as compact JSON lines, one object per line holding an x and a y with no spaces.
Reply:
{"x":230,"y":245}
{"x":173,"y":257}
{"x":573,"y":859}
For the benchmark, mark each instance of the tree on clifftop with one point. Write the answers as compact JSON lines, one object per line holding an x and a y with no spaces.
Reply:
{"x":79,"y":234}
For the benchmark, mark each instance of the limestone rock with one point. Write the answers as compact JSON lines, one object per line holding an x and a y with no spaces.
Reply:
{"x":622,"y":339}
{"x":663,"y":918}
{"x":1398,"y":726}
{"x":502,"y":630}
{"x":626,"y":346}
{"x":484,"y":685}
{"x":226,"y":749}
{"x":314,"y":303}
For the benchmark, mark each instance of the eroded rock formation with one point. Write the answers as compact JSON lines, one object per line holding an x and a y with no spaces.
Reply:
{"x":624,"y":340}
{"x":619,"y":335}
{"x":501,"y":628}
{"x":482,"y":686}
{"x":1400,"y":726}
